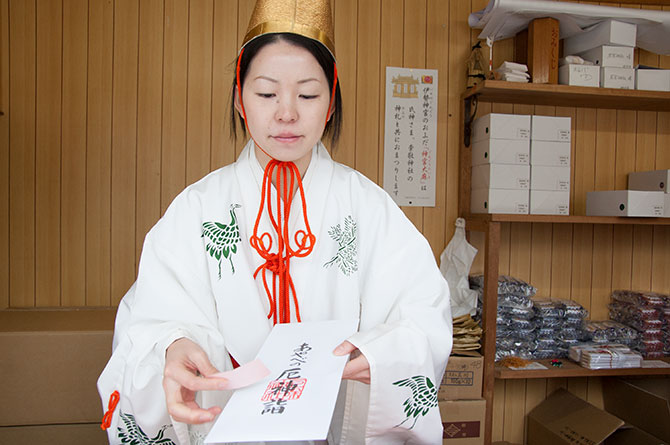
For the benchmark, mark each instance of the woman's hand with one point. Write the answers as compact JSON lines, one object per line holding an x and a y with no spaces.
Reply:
{"x":358,"y":367}
{"x":186,"y":369}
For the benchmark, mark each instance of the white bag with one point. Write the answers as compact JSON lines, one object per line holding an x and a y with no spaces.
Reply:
{"x":455,"y":263}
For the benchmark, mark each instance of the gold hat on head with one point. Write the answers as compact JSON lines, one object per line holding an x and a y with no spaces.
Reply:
{"x":308,"y":18}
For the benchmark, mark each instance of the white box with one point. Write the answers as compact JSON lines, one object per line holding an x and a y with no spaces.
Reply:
{"x":499,"y":201}
{"x":622,"y":78}
{"x":549,"y":178}
{"x":501,"y":176}
{"x":666,"y":205}
{"x":550,"y":153}
{"x":545,"y":202}
{"x":501,"y":151}
{"x":550,"y":128}
{"x":652,"y":80}
{"x":611,"y":56}
{"x":654,"y":181}
{"x":579,"y":75}
{"x":501,"y":126}
{"x":625,"y":203}
{"x":610,"y":32}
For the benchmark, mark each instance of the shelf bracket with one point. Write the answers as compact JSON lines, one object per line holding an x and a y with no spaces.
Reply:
{"x":470,"y":104}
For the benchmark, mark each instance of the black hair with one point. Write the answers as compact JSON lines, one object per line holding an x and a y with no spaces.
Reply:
{"x":333,"y":127}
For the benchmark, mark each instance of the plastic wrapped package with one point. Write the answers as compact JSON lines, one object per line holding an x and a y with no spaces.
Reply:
{"x":549,"y":322}
{"x":572,"y":309}
{"x":646,"y":346}
{"x":516,"y":301}
{"x":506,"y":332}
{"x":573,"y":323}
{"x":521,"y":353}
{"x":606,"y":358}
{"x":542,"y":332}
{"x":547,"y":343}
{"x":548,"y":309}
{"x":542,"y":354}
{"x":506,"y":285}
{"x":575,"y":351}
{"x":570,"y":334}
{"x":455,"y":263}
{"x":634,"y":312}
{"x":608,"y":331}
{"x":515,"y":312}
{"x":641,"y":298}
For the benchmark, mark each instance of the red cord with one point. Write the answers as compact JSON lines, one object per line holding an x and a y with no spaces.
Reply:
{"x":279,"y":263}
{"x":111,"y":406}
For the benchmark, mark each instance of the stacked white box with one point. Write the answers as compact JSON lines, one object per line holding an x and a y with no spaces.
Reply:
{"x":550,"y":165}
{"x":500,"y":164}
{"x":609,"y":32}
{"x":652,"y":79}
{"x":579,"y":75}
{"x":625,"y":203}
{"x":653,"y":180}
{"x":610,"y":56}
{"x":621,"y":78}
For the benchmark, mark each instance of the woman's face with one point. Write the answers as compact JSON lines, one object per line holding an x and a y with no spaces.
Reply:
{"x":286,"y":98}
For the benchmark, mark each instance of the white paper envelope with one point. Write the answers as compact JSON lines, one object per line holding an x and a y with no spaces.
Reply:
{"x":296,"y":401}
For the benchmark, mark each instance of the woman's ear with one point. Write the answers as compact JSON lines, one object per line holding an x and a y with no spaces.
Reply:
{"x":330,"y":113}
{"x":236,"y":101}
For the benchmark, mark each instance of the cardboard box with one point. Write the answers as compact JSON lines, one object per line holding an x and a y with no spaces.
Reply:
{"x":463,"y":422}
{"x":652,"y":180}
{"x":579,"y":75}
{"x":549,"y":178}
{"x":625,"y":203}
{"x":501,"y":151}
{"x":501,"y":126}
{"x":610,"y":56}
{"x":543,"y":39}
{"x":652,"y":79}
{"x":564,"y":419}
{"x":501,"y":176}
{"x":624,"y":397}
{"x":462,"y":378}
{"x":85,"y":433}
{"x":499,"y":201}
{"x":550,"y":153}
{"x":550,"y":128}
{"x":544,"y":202}
{"x":50,"y":364}
{"x":609,"y":32}
{"x":621,"y":78}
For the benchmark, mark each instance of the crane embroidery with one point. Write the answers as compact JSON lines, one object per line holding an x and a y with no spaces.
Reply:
{"x":135,"y":436}
{"x":345,"y":257}
{"x":423,"y":398}
{"x":222,"y":238}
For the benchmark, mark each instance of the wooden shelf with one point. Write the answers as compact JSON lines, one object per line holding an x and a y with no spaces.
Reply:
{"x":479,"y":219}
{"x":572,"y":369}
{"x":569,"y":96}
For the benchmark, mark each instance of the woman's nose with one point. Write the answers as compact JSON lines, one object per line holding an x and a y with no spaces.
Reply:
{"x":286,"y":110}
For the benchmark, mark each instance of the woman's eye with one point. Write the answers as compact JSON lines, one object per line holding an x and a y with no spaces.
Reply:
{"x":309,"y":96}
{"x":266,"y":95}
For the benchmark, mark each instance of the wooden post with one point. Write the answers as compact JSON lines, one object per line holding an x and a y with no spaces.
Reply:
{"x":543,"y":38}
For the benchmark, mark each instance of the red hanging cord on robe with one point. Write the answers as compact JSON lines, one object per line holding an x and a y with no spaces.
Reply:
{"x":286,"y":174}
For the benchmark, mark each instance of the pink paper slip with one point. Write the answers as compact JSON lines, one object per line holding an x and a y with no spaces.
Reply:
{"x":245,"y":375}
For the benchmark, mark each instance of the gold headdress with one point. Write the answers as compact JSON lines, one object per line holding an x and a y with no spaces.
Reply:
{"x":308,"y":18}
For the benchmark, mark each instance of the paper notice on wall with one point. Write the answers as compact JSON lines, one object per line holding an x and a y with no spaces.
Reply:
{"x":410,"y":136}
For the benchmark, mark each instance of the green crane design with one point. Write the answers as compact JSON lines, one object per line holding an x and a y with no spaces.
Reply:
{"x":135,"y":436}
{"x":423,"y":398}
{"x":223,"y":238}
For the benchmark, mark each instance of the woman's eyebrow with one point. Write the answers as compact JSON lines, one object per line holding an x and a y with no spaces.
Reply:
{"x":270,"y":79}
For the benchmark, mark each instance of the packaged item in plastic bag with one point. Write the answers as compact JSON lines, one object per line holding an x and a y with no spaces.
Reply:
{"x":455,"y":263}
{"x":506,"y":285}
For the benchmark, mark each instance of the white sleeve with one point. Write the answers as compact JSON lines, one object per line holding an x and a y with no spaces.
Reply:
{"x":406,"y":329}
{"x":170,"y":300}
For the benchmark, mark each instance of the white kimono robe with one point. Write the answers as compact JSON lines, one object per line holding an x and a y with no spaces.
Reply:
{"x":369,"y":262}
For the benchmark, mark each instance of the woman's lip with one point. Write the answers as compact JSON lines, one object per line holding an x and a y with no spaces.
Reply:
{"x":286,"y":137}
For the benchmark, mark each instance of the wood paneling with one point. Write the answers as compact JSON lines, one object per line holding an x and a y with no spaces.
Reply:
{"x":112,"y":108}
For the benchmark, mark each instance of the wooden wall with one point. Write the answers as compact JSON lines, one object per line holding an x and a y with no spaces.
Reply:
{"x":111,"y":107}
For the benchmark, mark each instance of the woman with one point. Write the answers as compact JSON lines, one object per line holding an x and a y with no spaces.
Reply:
{"x":282,"y":235}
